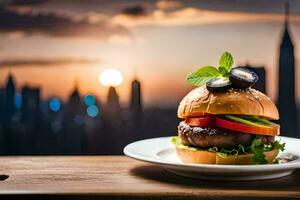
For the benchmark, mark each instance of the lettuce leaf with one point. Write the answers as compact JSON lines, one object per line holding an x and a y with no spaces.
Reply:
{"x":177,"y":142}
{"x":256,"y":148}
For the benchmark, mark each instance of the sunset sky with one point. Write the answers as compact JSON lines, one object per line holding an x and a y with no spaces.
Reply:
{"x":55,"y":43}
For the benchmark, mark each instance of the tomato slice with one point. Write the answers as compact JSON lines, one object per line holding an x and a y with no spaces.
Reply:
{"x":259,"y":129}
{"x":199,"y":121}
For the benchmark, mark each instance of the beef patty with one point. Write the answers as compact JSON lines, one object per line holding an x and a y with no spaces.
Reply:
{"x":207,"y":137}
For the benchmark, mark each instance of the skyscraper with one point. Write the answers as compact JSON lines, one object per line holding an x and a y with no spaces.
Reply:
{"x":9,"y":97}
{"x":136,"y":101}
{"x":2,"y":105}
{"x":8,"y":113}
{"x":113,"y":106}
{"x":31,"y":119}
{"x":286,"y":94}
{"x":73,"y":125}
{"x":2,"y":117}
{"x":31,"y":107}
{"x":74,"y":104}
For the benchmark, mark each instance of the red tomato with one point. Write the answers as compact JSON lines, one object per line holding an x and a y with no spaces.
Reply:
{"x":259,"y":129}
{"x":199,"y":121}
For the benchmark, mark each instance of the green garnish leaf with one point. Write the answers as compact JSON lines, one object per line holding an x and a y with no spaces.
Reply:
{"x":258,"y":152}
{"x":223,"y":71}
{"x":226,"y":61}
{"x":256,"y":142}
{"x":203,"y":75}
{"x":277,"y":145}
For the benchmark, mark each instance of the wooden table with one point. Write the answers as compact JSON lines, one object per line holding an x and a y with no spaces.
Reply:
{"x":119,"y":177}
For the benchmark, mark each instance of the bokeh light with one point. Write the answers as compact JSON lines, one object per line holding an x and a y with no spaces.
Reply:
{"x":56,"y":126}
{"x":18,"y":101}
{"x":92,"y":110}
{"x":78,"y":120}
{"x":54,"y":104}
{"x":89,"y":100}
{"x":111,"y":77}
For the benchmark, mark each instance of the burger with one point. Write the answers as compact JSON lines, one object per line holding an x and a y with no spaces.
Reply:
{"x":225,"y":121}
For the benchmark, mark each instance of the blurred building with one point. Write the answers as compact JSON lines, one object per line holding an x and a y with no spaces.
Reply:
{"x":9,"y":144}
{"x":286,"y":94}
{"x":9,"y":109}
{"x":30,"y":107}
{"x":96,"y":144}
{"x":2,"y":118}
{"x":136,"y":99}
{"x":31,"y":119}
{"x":73,"y":136}
{"x":2,"y":106}
{"x":113,"y":107}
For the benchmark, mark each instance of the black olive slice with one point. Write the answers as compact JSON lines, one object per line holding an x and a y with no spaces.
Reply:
{"x":218,"y":85}
{"x":242,"y":77}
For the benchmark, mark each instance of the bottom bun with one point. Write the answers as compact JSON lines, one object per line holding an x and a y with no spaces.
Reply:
{"x":206,"y":157}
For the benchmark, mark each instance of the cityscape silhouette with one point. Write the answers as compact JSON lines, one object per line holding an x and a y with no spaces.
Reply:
{"x":30,"y":126}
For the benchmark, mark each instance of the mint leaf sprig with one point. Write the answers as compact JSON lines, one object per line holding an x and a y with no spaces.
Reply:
{"x":205,"y":74}
{"x":225,"y":63}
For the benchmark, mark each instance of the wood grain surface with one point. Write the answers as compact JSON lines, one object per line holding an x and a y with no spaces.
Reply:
{"x":119,"y":177}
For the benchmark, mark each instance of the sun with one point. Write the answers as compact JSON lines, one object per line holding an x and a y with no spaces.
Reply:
{"x":111,"y":77}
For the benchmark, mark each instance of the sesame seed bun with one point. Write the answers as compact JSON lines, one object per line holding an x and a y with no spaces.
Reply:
{"x":233,"y":101}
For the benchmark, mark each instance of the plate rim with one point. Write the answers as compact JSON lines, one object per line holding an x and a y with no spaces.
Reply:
{"x":268,"y":167}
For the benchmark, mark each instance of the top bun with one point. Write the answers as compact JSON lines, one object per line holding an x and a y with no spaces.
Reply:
{"x":233,"y":101}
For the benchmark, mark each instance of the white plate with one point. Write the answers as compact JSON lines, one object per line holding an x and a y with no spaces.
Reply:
{"x":162,"y":152}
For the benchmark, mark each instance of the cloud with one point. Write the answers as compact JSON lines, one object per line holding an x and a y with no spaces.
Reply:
{"x":44,"y":62}
{"x":57,"y":26}
{"x":25,"y":2}
{"x":135,"y":11}
{"x":195,"y":16}
{"x":168,"y":4}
